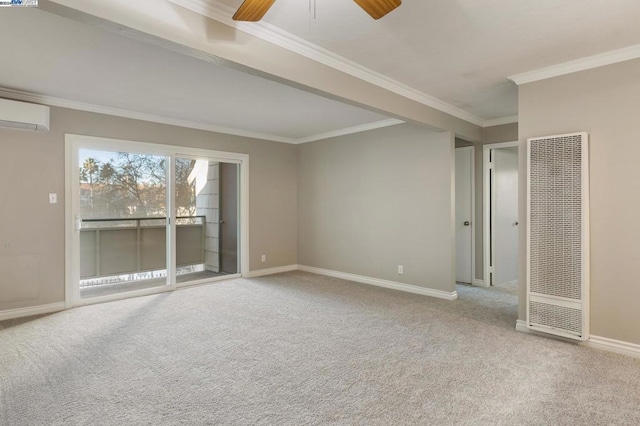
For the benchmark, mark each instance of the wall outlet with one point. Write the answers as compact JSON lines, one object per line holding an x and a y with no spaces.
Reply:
{"x":400,"y":269}
{"x":53,"y":198}
{"x":264,"y":258}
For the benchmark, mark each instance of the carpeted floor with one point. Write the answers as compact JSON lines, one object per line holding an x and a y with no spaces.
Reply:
{"x":297,"y":349}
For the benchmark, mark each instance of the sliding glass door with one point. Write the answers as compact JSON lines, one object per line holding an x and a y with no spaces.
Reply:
{"x":206,"y":200}
{"x":143,"y":218}
{"x":122,"y":221}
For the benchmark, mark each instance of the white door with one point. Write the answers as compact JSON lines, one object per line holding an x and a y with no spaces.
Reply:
{"x":505,"y":191}
{"x":464,"y":208}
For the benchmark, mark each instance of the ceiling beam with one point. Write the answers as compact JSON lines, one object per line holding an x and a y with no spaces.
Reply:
{"x":174,"y":27}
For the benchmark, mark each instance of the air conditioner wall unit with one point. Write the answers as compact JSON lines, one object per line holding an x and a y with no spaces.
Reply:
{"x":24,"y":116}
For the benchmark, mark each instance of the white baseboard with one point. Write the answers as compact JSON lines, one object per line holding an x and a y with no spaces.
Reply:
{"x":596,"y":342}
{"x":32,"y":310}
{"x":522,"y":326}
{"x":616,"y":346}
{"x":409,"y":288}
{"x":479,"y":283}
{"x":514,"y":282}
{"x":271,"y":271}
{"x":357,"y":278}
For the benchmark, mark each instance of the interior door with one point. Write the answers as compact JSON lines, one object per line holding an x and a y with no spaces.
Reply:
{"x":464,"y":208}
{"x":505,"y":217}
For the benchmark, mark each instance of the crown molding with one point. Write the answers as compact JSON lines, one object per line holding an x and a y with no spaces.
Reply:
{"x":267,"y":32}
{"x":582,"y":64}
{"x":118,"y":112}
{"x":501,"y":121}
{"x":350,"y":130}
{"x":19,"y":95}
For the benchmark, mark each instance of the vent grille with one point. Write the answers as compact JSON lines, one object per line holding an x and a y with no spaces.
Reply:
{"x":557,"y":233}
{"x":561,"y":317}
{"x":556,"y":216}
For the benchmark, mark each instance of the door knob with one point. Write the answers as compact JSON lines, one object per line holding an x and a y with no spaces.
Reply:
{"x":466,"y":223}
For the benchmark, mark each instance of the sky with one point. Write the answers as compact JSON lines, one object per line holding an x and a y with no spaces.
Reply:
{"x":101,"y":156}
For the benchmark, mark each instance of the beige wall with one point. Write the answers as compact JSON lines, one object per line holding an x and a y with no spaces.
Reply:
{"x":32,"y":166}
{"x":502,"y":133}
{"x":605,"y":103}
{"x":371,"y":201}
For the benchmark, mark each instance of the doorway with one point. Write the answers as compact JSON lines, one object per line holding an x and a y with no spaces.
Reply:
{"x":500,"y":228}
{"x":206,"y":205}
{"x":465,"y":203}
{"x":144,"y":218}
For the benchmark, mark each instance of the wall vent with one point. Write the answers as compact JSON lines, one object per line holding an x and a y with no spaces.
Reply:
{"x":558,"y":235}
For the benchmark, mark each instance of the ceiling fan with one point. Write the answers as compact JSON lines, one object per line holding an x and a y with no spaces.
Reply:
{"x":254,"y":10}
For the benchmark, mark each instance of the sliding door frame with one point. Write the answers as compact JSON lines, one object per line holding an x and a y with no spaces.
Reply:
{"x":73,"y":143}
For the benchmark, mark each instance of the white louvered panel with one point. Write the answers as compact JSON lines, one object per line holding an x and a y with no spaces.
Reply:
{"x":544,"y":314}
{"x":557,"y":235}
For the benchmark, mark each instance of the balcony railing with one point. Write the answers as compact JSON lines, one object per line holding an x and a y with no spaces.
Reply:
{"x":118,"y":246}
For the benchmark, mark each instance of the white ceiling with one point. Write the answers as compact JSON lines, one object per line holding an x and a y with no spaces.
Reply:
{"x":458,"y":52}
{"x":61,"y":58}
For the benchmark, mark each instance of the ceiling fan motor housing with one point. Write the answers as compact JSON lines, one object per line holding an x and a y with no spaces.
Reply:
{"x":254,"y":10}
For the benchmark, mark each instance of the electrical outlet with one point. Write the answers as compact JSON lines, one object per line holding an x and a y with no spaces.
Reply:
{"x":53,"y":198}
{"x":400,"y":269}
{"x":264,"y":258}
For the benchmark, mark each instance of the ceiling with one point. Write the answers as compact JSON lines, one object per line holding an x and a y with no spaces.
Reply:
{"x":64,"y":59}
{"x":458,"y":53}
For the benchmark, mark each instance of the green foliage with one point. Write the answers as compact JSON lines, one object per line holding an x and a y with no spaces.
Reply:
{"x":133,"y":185}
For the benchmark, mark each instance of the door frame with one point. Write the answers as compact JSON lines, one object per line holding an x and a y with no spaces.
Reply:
{"x":73,"y":142}
{"x":488,"y":202}
{"x":473,"y":211}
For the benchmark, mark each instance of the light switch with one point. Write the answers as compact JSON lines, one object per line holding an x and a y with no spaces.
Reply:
{"x":53,"y":198}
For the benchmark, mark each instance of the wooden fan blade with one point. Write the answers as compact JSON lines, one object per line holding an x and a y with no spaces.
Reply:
{"x":252,"y":10}
{"x":378,"y":8}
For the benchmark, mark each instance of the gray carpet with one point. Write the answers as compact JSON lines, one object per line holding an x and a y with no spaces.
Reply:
{"x":297,"y":349}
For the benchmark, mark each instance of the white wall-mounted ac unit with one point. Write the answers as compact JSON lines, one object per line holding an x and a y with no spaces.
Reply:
{"x":24,"y":116}
{"x":558,"y":235}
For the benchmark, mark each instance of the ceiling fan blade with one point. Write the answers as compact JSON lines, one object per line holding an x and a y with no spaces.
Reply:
{"x":378,"y":8}
{"x":252,"y":10}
